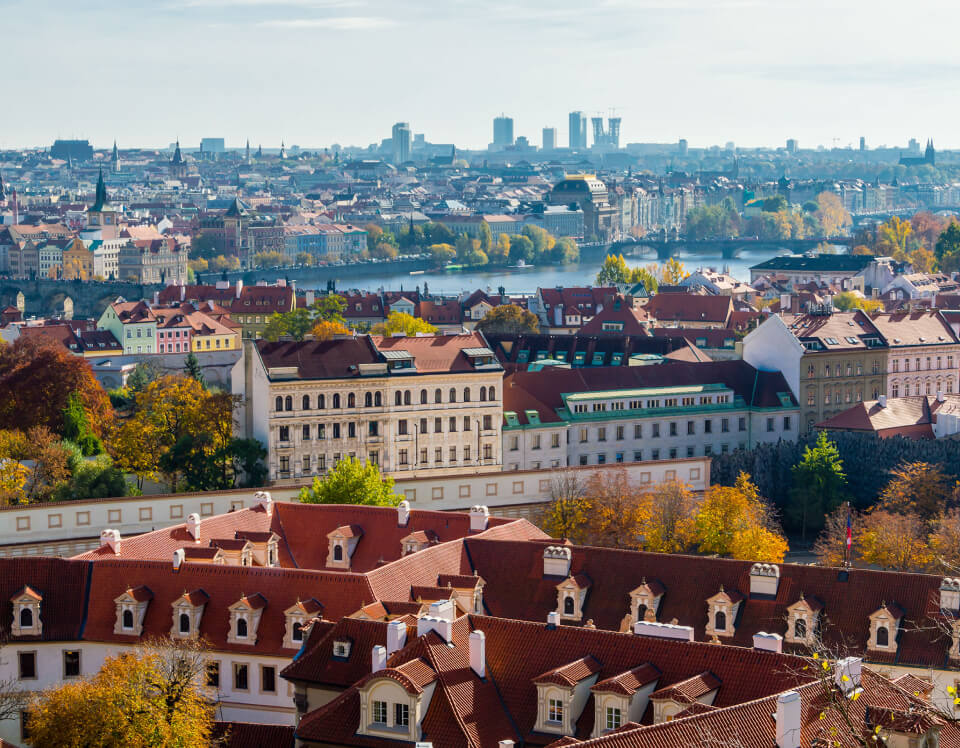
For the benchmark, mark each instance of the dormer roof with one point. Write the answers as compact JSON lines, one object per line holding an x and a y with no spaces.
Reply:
{"x":421,"y":536}
{"x":252,"y":602}
{"x":570,"y":674}
{"x":413,"y":675}
{"x":810,"y":603}
{"x":230,"y":544}
{"x":891,"y":609}
{"x":726,"y":596}
{"x":652,"y":587}
{"x":689,"y":690}
{"x":207,"y":553}
{"x":194,"y":598}
{"x":580,"y":581}
{"x":27,"y":591}
{"x":346,"y":531}
{"x":308,"y":607}
{"x":629,"y":682}
{"x":459,"y":581}
{"x":139,"y":594}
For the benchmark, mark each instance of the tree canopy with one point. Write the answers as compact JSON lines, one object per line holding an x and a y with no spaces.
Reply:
{"x":351,"y":481}
{"x":402,"y":322}
{"x":509,"y":318}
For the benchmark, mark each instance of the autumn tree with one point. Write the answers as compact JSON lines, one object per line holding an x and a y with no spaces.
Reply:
{"x":818,"y":484}
{"x":443,"y":254}
{"x":617,"y":515}
{"x":325,"y":330}
{"x":37,"y":378}
{"x":668,"y":518}
{"x":42,"y":456}
{"x":895,"y":541}
{"x":917,"y":487}
{"x":830,"y":547}
{"x":76,"y":427}
{"x":947,"y":249}
{"x":485,"y":236}
{"x":833,"y":217}
{"x":893,"y":238}
{"x":566,"y":514}
{"x":735,"y":521}
{"x":299,"y":322}
{"x":13,"y":479}
{"x":613,"y":271}
{"x":268,"y":259}
{"x":510,"y":319}
{"x":351,"y":481}
{"x":402,"y":322}
{"x":148,"y":697}
{"x":673,"y":272}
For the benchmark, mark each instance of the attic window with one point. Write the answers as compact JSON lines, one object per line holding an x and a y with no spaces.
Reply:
{"x":341,"y":649}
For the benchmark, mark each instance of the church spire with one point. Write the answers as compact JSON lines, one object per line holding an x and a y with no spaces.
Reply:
{"x":3,"y":193}
{"x":115,"y":157}
{"x":100,"y":199}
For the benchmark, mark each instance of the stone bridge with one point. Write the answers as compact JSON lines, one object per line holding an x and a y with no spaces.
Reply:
{"x":44,"y":297}
{"x":725,"y":247}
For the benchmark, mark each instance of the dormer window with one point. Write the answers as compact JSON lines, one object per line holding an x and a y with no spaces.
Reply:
{"x":245,"y":618}
{"x":342,"y":543}
{"x":131,"y":609}
{"x":884,"y":625}
{"x":26,"y":613}
{"x":644,"y":602}
{"x":187,"y":612}
{"x":297,"y":618}
{"x":722,"y":611}
{"x":341,"y":649}
{"x":803,"y":620}
{"x":338,"y":552}
{"x":572,"y":595}
{"x":184,"y":623}
{"x":562,"y":693}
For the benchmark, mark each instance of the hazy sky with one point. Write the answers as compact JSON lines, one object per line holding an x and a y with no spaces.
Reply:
{"x":316,"y":72}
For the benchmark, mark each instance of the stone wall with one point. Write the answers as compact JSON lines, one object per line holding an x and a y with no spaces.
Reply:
{"x":46,"y":297}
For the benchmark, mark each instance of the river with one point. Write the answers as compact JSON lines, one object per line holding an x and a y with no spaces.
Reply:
{"x":523,"y":281}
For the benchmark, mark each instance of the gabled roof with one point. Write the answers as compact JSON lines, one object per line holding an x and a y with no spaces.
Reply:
{"x":571,"y":673}
{"x":628,"y":682}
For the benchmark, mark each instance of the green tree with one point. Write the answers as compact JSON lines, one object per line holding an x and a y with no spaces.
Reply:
{"x":351,"y":482}
{"x":947,"y":249}
{"x":818,"y":484}
{"x":565,"y":251}
{"x":304,"y":258}
{"x":268,"y":259}
{"x":76,"y":427}
{"x":510,"y":319}
{"x":92,"y":479}
{"x":329,"y":308}
{"x":192,"y":368}
{"x":248,"y":460}
{"x":485,"y":236}
{"x":402,"y":322}
{"x":521,"y":248}
{"x":442,"y":253}
{"x":647,"y":277}
{"x":775,"y":204}
{"x":613,"y":271}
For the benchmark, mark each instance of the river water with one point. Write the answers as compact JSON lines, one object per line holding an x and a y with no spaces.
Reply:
{"x":524,"y":281}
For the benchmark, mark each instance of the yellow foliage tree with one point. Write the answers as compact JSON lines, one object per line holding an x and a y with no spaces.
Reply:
{"x":402,"y":322}
{"x":833,"y":217}
{"x":893,"y":238}
{"x":617,"y":516}
{"x":673,"y":272}
{"x":13,"y":479}
{"x":895,"y":541}
{"x":147,"y":699}
{"x":758,"y":544}
{"x":729,"y":517}
{"x":325,"y":330}
{"x":667,"y":518}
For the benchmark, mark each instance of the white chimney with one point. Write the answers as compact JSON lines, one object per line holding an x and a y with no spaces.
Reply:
{"x":505,"y":744}
{"x":556,"y":561}
{"x":239,"y":287}
{"x":443,"y":627}
{"x":193,"y":526}
{"x":443,"y":609}
{"x":789,"y":718}
{"x":264,"y":499}
{"x":183,"y":293}
{"x":764,"y":579}
{"x":156,"y":298}
{"x":111,"y":538}
{"x":663,"y":630}
{"x":311,"y":297}
{"x":553,"y":619}
{"x":768,"y":642}
{"x":403,"y":513}
{"x":940,"y":396}
{"x":882,"y":401}
{"x":478,"y":653}
{"x":396,"y":636}
{"x":378,"y":658}
{"x":950,"y":594}
{"x":178,"y":557}
{"x":846,"y":674}
{"x":479,"y":515}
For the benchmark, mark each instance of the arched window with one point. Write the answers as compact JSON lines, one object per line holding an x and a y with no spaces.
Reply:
{"x":241,"y":628}
{"x":297,"y":633}
{"x":800,"y":629}
{"x":279,"y":404}
{"x":288,"y":403}
{"x":321,"y":402}
{"x":883,"y":637}
{"x":437,"y":396}
{"x":568,"y":606}
{"x":26,"y":618}
{"x":423,"y":397}
{"x":398,"y":398}
{"x":466,"y":394}
{"x":351,"y":400}
{"x":336,"y":400}
{"x":483,"y":394}
{"x":306,"y":402}
{"x":367,"y":400}
{"x":377,"y":399}
{"x":453,"y":395}
{"x":406,"y":397}
{"x":491,"y":394}
{"x":720,"y":621}
{"x":641,"y":612}
{"x":338,"y":552}
{"x":184,"y":623}
{"x":127,"y":621}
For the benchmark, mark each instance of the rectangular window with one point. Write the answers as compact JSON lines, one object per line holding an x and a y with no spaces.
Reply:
{"x":466,"y":423}
{"x":402,"y":427}
{"x":708,"y":426}
{"x":423,"y":425}
{"x":284,"y":433}
{"x":689,"y":451}
{"x":601,"y":459}
{"x":770,"y":425}
{"x":673,"y":453}
{"x":691,"y":427}
{"x":638,"y":455}
{"x":437,"y":425}
{"x":423,"y":455}
{"x":404,"y":458}
{"x":466,"y":453}
{"x":655,"y":454}
{"x":638,"y":431}
{"x":373,"y":428}
{"x":786,"y":419}
{"x":284,"y":464}
{"x":213,"y":674}
{"x":555,"y":440}
{"x":306,"y":432}
{"x":725,"y":425}
{"x":352,"y":430}
{"x":614,"y":718}
{"x":742,"y":423}
{"x":322,"y":463}
{"x":453,"y":454}
{"x":71,"y":663}
{"x":438,"y":455}
{"x":379,"y":712}
{"x":555,"y":710}
{"x":619,"y":433}
{"x":601,"y":434}
{"x":487,"y":451}
{"x":401,"y":715}
{"x":452,"y":424}
{"x":487,"y":423}
{"x":583,"y":435}
{"x":656,"y":431}
{"x":268,"y":679}
{"x":240,"y":676}
{"x":373,"y":458}
{"x":673,"y":428}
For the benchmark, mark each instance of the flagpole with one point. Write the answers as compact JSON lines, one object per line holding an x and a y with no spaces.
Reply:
{"x":848,"y":541}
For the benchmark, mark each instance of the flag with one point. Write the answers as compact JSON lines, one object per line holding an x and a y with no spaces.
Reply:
{"x":849,"y":532}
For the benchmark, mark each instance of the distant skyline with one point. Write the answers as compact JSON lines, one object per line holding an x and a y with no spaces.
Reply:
{"x":319,"y":72}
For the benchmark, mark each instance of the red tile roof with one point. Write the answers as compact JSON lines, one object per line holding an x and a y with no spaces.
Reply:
{"x":61,"y":586}
{"x":690,"y":308}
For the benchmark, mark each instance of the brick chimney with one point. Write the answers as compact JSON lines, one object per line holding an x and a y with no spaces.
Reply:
{"x":478,"y":653}
{"x":396,"y":636}
{"x":193,"y":526}
{"x":479,"y":516}
{"x":378,"y":658}
{"x":789,"y":719}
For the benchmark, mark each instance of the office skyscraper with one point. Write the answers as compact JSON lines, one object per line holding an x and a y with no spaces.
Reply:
{"x":401,"y":142}
{"x":549,"y":138}
{"x":578,"y":130}
{"x":503,"y":130}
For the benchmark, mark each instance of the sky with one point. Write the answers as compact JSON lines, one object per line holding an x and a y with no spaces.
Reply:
{"x":318,"y":72}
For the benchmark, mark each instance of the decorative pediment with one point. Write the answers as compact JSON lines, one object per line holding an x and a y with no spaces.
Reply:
{"x":571,"y":596}
{"x":265,"y":546}
{"x":562,"y":693}
{"x":297,"y":618}
{"x":417,"y":541}
{"x":722,"y":609}
{"x":342,"y":542}
{"x":884,"y":627}
{"x":645,"y":601}
{"x":803,"y":620}
{"x":187,"y":612}
{"x":26,"y":612}
{"x":131,"y":608}
{"x":245,"y":619}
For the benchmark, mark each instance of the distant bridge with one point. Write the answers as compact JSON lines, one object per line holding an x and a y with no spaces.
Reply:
{"x":728,"y":248}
